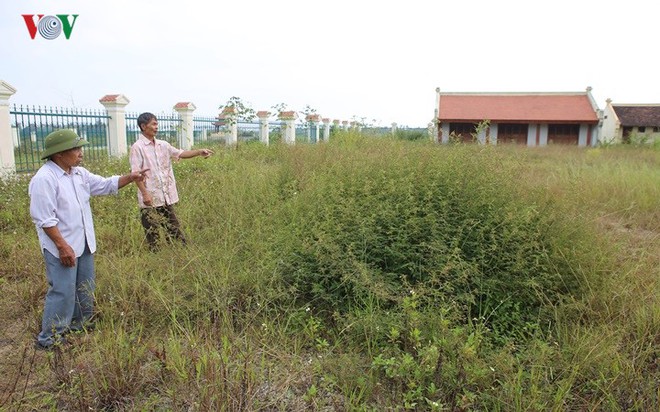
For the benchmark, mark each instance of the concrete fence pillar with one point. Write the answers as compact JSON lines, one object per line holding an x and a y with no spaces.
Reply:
{"x":187,"y":136}
{"x":313,"y":127}
{"x":394,"y":128}
{"x":344,"y":124}
{"x":326,"y":129}
{"x":228,"y":116}
{"x":263,"y":126}
{"x":7,"y":160}
{"x":115,"y":105}
{"x":289,"y":132}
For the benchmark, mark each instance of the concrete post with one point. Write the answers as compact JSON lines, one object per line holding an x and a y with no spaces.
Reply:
{"x":186,"y":136}
{"x":313,"y":128}
{"x":7,"y":160}
{"x":493,"y":131}
{"x":344,"y":124}
{"x":289,"y":119}
{"x":543,"y":134}
{"x":481,"y":137}
{"x":263,"y":126}
{"x":435,"y":128}
{"x":115,"y":105}
{"x":444,"y":132}
{"x":394,"y":128}
{"x":228,"y":114}
{"x":326,"y":129}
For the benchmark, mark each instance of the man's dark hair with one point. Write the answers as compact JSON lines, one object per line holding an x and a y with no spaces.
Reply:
{"x":145,"y":118}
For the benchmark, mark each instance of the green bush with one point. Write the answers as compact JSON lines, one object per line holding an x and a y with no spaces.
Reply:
{"x":448,"y":226}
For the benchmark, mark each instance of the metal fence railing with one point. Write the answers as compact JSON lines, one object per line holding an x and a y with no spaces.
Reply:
{"x":169,"y":128}
{"x":248,"y":131}
{"x":205,"y":129}
{"x":31,"y":124}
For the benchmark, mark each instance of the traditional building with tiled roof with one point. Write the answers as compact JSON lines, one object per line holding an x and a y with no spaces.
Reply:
{"x":532,"y":119}
{"x":631,"y":122}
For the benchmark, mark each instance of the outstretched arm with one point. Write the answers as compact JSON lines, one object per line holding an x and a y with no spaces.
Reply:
{"x":132,"y":177}
{"x":187,"y":154}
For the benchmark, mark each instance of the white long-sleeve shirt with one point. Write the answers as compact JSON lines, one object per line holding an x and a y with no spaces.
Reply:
{"x":61,"y":199}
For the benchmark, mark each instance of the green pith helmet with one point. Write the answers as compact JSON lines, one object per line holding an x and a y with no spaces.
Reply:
{"x":61,"y":140}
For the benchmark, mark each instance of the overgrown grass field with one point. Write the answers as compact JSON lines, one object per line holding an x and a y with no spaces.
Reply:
{"x":362,"y":274}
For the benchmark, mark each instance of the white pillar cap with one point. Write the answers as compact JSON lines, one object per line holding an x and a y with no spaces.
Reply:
{"x":184,"y":106}
{"x":117,"y":100}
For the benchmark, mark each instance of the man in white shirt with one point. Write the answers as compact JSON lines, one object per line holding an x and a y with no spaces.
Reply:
{"x":59,"y":206}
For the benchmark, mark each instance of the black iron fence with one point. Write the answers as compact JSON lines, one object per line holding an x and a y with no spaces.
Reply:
{"x":206,"y":129}
{"x":169,"y":128}
{"x":31,"y":124}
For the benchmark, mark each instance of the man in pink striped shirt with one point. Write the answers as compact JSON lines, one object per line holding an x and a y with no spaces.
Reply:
{"x":157,"y":193}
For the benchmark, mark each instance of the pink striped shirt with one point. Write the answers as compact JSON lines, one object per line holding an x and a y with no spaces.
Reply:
{"x":157,"y":157}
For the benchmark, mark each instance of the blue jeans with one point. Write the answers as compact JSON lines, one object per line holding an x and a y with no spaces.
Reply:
{"x":70,"y":297}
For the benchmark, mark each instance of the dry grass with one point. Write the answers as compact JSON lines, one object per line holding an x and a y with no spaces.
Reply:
{"x":203,"y":328}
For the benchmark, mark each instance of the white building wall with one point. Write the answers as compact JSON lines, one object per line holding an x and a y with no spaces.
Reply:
{"x":649,"y":133}
{"x":611,"y":131}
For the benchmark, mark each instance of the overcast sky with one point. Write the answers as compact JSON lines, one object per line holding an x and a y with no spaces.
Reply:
{"x":377,"y":60}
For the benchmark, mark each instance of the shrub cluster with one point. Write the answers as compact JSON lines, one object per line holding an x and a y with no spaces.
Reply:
{"x":447,"y":226}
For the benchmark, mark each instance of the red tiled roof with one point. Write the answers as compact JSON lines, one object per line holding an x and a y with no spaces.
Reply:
{"x":532,"y":107}
{"x":181,"y":105}
{"x":638,"y":115}
{"x":109,"y":98}
{"x":287,"y":115}
{"x":227,"y":111}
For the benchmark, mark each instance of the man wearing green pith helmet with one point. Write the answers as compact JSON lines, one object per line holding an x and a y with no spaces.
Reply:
{"x":59,"y":206}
